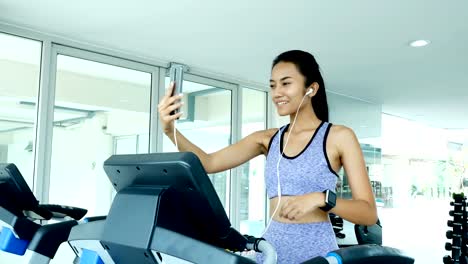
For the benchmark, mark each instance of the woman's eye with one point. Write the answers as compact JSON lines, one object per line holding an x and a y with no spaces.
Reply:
{"x":286,"y":84}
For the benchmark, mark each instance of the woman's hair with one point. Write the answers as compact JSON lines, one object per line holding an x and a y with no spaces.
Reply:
{"x":309,"y":68}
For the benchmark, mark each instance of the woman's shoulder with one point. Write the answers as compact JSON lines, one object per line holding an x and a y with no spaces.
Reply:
{"x":267,"y":134}
{"x":341,"y":132}
{"x":270,"y":132}
{"x":340,"y":137}
{"x":337,"y":128}
{"x":265,"y":137}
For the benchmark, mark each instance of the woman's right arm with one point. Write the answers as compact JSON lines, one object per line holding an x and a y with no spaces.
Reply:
{"x":224,"y":159}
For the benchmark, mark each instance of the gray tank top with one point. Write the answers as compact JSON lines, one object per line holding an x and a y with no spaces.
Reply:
{"x":307,"y":172}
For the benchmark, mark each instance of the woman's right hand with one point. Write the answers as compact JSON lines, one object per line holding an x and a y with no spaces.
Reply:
{"x":168,"y":104}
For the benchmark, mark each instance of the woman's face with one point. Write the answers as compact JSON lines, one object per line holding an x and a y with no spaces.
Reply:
{"x":287,"y":86}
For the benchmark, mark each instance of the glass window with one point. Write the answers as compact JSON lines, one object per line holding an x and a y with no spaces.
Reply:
{"x":422,"y":167}
{"x":20,"y":60}
{"x":99,"y":110}
{"x":253,"y":194}
{"x":207,"y":123}
{"x":19,"y":85}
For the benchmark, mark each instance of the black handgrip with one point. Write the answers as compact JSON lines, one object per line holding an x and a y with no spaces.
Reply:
{"x":40,"y":213}
{"x":95,"y":218}
{"x":60,"y":211}
{"x":48,"y":238}
{"x":255,"y":241}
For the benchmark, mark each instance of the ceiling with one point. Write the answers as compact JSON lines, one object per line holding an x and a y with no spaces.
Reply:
{"x":362,"y":46}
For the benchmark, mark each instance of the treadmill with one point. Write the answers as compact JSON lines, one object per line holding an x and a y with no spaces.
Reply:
{"x":167,"y":211}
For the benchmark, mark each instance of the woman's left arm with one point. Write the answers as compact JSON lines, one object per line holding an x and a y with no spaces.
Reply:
{"x":361,"y":209}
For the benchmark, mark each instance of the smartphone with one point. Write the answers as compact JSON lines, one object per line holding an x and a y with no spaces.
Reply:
{"x":176,"y":74}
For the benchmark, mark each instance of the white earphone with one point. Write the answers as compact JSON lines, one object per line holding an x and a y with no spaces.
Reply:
{"x":280,"y":156}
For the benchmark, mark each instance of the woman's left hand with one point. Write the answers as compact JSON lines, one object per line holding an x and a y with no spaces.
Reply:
{"x":298,"y":206}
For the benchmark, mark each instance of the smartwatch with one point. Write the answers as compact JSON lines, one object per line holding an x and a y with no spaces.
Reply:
{"x":330,"y":200}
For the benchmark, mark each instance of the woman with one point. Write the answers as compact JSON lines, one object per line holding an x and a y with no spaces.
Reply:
{"x":302,"y":160}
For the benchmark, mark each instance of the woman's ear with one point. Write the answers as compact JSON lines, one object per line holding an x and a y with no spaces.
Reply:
{"x":314,"y":88}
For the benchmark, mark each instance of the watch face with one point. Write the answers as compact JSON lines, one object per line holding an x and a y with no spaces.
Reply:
{"x":331,"y":198}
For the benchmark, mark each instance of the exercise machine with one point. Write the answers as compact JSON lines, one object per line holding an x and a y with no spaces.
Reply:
{"x":365,"y":235}
{"x":21,"y":232}
{"x":167,"y":211}
{"x":165,"y":208}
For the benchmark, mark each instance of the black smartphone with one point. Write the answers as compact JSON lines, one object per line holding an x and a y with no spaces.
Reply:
{"x":176,"y":75}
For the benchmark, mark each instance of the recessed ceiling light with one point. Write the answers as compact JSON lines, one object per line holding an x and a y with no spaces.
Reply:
{"x":419,"y":43}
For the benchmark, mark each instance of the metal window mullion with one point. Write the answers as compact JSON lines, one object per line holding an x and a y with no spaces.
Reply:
{"x":236,"y":132}
{"x":208,"y":81}
{"x":155,"y":131}
{"x":137,"y":143}
{"x":269,"y":124}
{"x":102,"y":58}
{"x":160,"y":87}
{"x":44,"y":122}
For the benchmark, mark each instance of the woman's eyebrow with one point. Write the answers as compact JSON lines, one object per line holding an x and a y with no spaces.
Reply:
{"x":282,"y":79}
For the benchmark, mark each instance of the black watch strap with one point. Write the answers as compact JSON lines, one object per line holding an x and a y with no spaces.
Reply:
{"x":330,"y":200}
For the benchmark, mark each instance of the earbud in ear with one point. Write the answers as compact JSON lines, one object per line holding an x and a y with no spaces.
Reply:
{"x":309,"y":91}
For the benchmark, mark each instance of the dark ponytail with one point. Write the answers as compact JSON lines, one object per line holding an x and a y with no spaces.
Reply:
{"x":309,"y":68}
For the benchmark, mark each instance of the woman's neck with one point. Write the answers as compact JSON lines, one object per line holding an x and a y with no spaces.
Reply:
{"x":305,"y":120}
